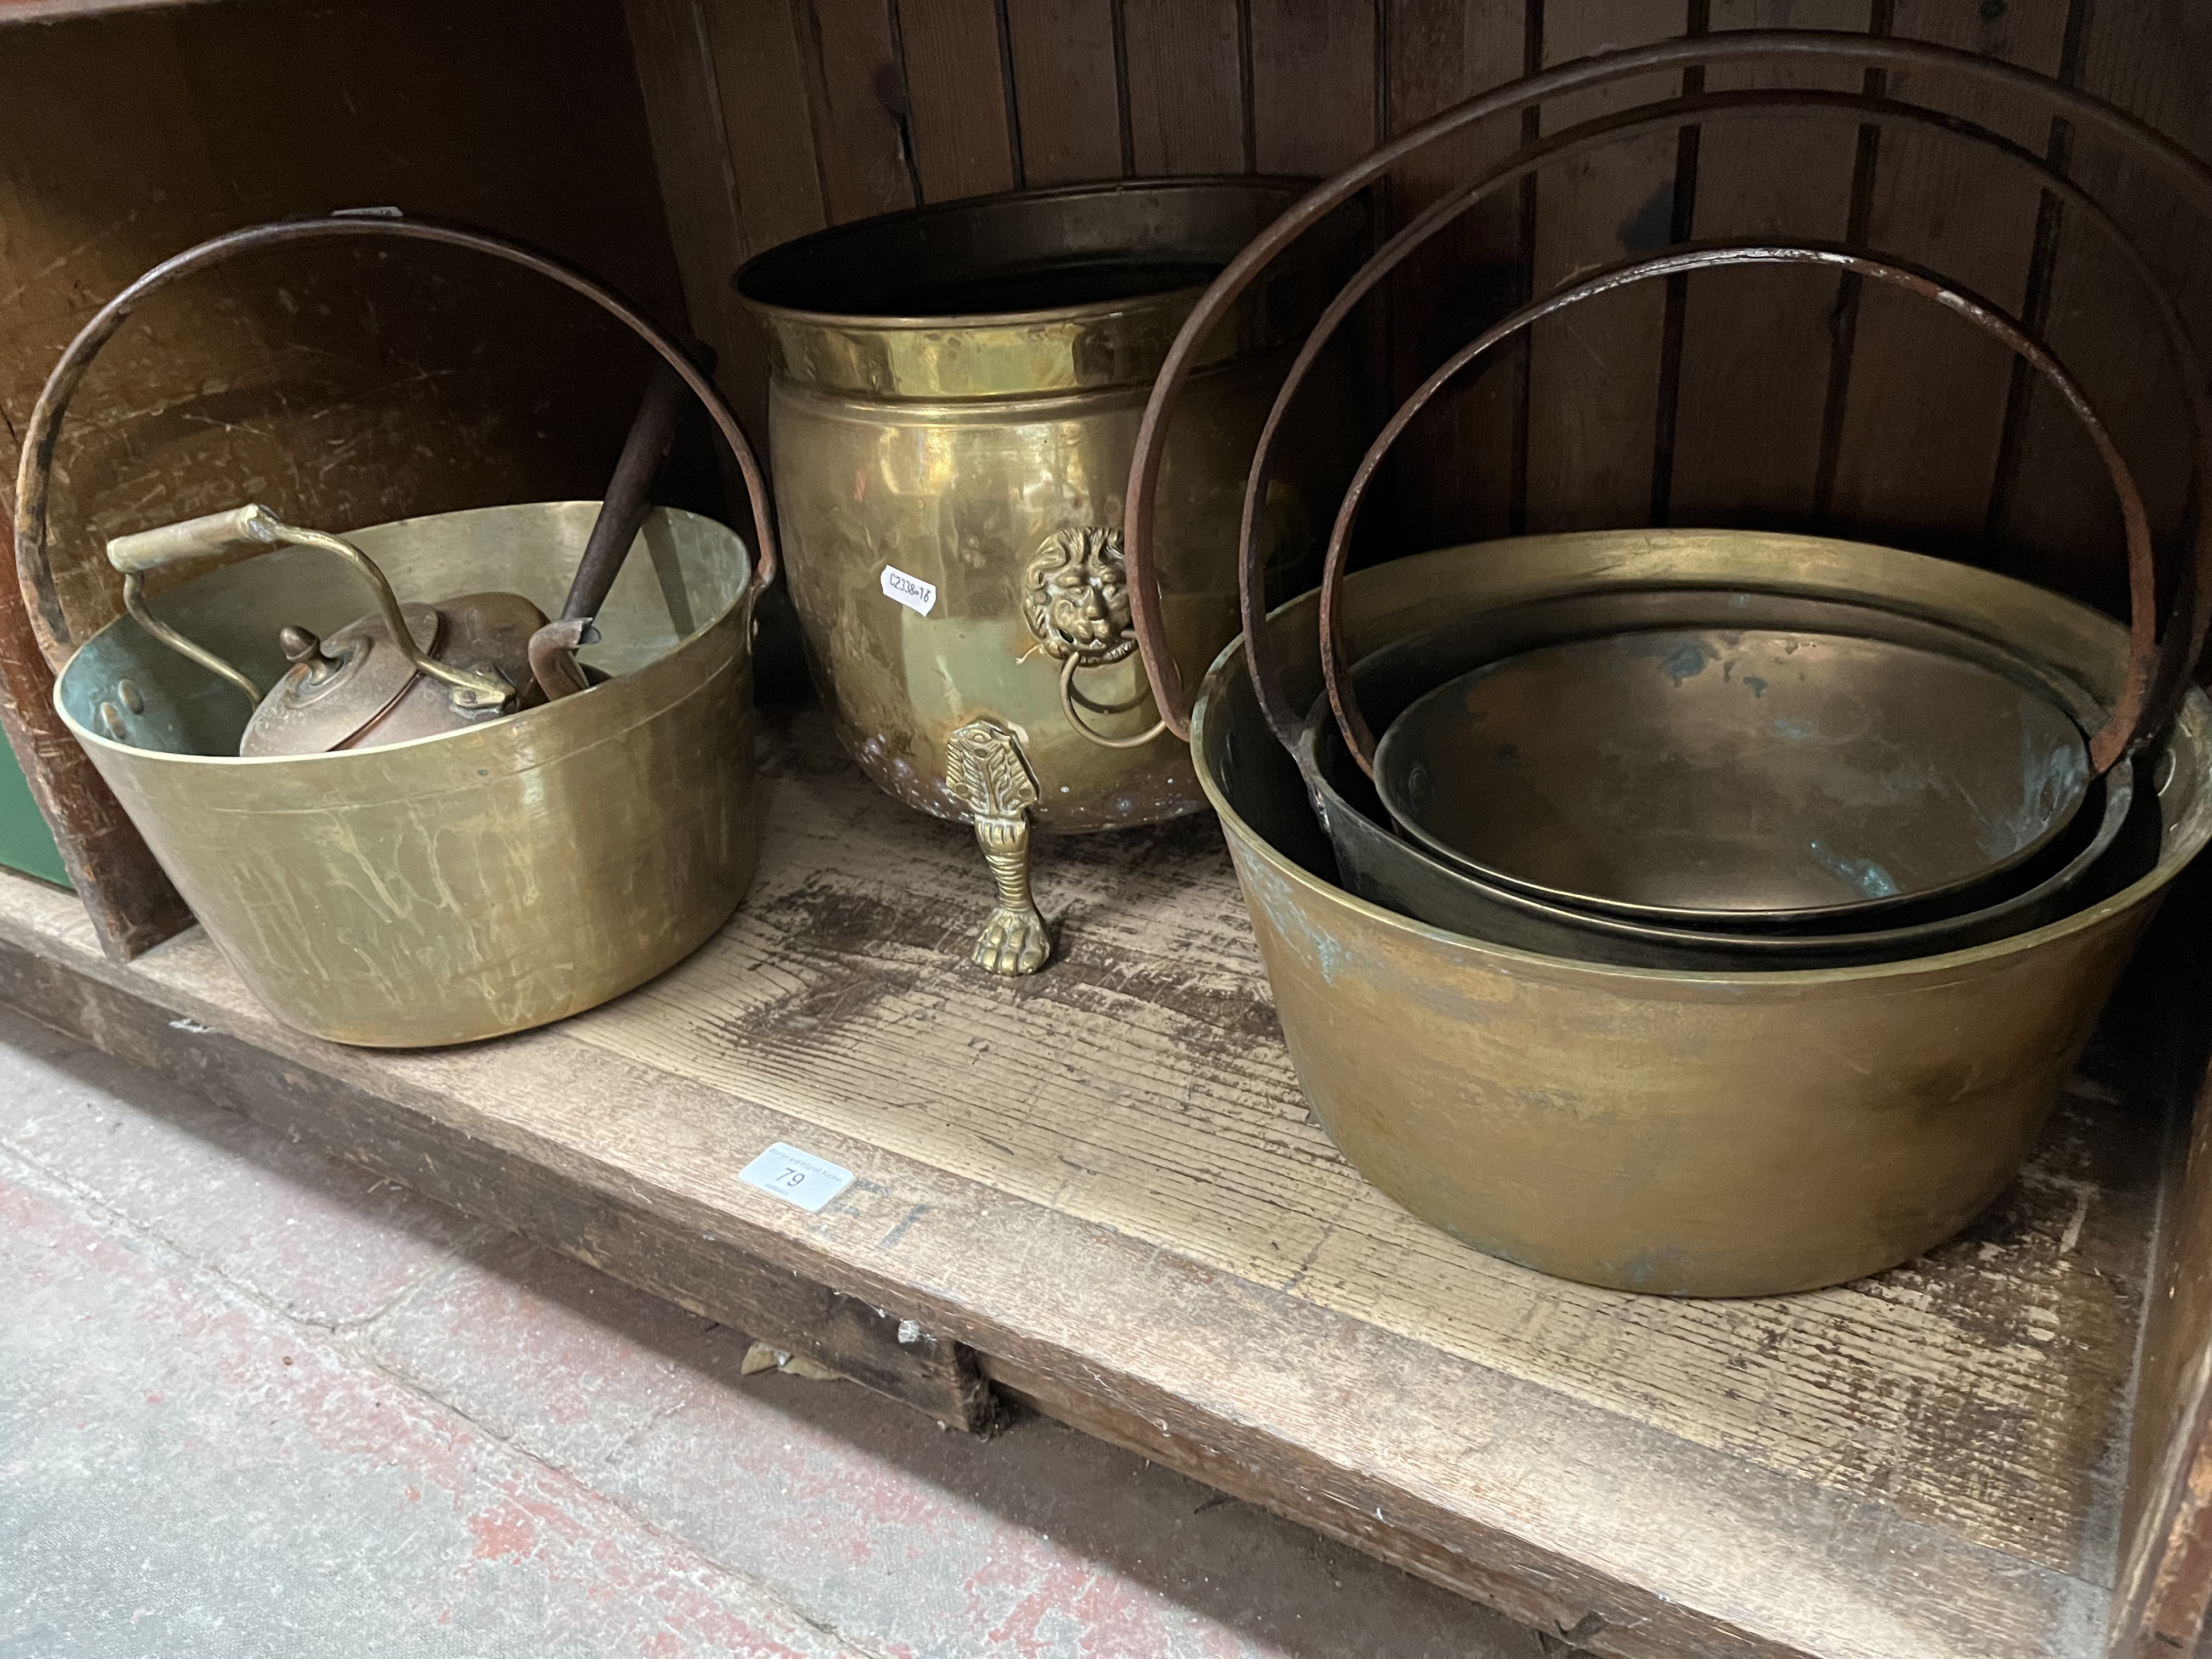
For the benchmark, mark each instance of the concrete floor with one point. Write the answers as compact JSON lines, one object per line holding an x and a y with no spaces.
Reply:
{"x":254,"y":1402}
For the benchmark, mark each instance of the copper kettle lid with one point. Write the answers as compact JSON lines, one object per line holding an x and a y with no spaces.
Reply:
{"x":338,"y":687}
{"x":357,"y":690}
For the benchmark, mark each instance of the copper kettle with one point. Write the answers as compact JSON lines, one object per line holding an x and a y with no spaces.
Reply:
{"x":408,"y":671}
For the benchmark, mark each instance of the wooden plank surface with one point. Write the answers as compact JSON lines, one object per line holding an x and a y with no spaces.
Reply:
{"x":1067,"y":89}
{"x":2061,"y":523}
{"x":961,"y":129}
{"x":1313,"y":85}
{"x":1756,"y":343}
{"x":871,"y":1346}
{"x":857,"y":95}
{"x":1454,"y":470}
{"x":1104,"y":1177}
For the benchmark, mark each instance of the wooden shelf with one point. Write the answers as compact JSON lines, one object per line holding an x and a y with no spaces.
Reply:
{"x":1100,"y":1188}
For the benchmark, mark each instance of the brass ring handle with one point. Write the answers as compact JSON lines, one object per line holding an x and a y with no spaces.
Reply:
{"x":2106,"y":745}
{"x":256,"y":529}
{"x":1067,"y":696}
{"x":1075,"y":599}
{"x":2189,"y":176}
{"x":35,"y":472}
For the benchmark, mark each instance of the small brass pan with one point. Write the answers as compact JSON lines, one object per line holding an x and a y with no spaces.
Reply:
{"x":1380,"y":867}
{"x":1740,"y":776}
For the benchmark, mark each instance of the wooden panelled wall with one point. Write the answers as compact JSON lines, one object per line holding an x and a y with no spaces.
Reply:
{"x":1769,"y":398}
{"x":342,"y":385}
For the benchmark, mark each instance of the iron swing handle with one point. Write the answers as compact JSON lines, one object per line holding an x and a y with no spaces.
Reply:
{"x":2107,"y":746}
{"x":35,"y":471}
{"x":2189,"y":177}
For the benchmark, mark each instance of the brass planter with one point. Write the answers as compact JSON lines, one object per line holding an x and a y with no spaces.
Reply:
{"x":955,"y":399}
{"x":459,"y":886}
{"x":1692,"y":1133}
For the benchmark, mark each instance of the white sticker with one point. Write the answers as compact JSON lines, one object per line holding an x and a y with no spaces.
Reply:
{"x":915,"y":594}
{"x":807,"y":1181}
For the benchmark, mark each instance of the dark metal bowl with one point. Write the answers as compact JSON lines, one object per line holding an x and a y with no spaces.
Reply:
{"x":1375,"y":862}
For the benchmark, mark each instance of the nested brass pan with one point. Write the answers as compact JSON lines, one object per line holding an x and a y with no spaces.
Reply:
{"x":1405,"y":876}
{"x":1617,"y":776}
{"x":1731,"y":773}
{"x":1697,"y":1133}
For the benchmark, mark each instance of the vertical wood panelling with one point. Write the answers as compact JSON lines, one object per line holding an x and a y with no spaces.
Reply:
{"x":1926,"y":402}
{"x":2059,"y":513}
{"x":753,"y":56}
{"x":956,"y":94}
{"x":1185,"y":85}
{"x":1594,"y":370}
{"x":1065,"y":89}
{"x":832,"y":109}
{"x":1755,"y":344}
{"x":684,"y":112}
{"x":1455,"y":467}
{"x":762,"y":81}
{"x":1313,"y":84}
{"x":858,"y":94}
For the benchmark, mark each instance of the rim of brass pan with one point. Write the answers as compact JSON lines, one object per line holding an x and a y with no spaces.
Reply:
{"x":1824,"y":566}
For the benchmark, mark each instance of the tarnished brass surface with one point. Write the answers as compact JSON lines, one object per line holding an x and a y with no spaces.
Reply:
{"x":1375,"y":861}
{"x":956,"y":388}
{"x":463,"y":886}
{"x":1716,"y":1134}
{"x":1695,"y":774}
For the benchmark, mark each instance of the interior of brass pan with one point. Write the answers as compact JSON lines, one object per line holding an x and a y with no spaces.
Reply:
{"x":1761,"y":776}
{"x":1372,"y":860}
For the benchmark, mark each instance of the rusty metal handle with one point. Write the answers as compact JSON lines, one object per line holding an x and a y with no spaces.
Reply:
{"x":2109,"y":742}
{"x":34,"y":474}
{"x":2184,"y":625}
{"x":2188,"y":175}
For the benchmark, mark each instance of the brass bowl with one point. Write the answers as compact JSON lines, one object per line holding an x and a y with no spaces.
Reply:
{"x":1738,"y":774}
{"x":1403,"y":874}
{"x":954,"y":399}
{"x":1697,"y":1133}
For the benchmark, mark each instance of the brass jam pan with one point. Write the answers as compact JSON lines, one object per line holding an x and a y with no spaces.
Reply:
{"x":1381,"y":867}
{"x":1682,"y":1131}
{"x":1756,"y":775}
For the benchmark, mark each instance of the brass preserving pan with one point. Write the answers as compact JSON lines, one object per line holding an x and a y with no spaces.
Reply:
{"x":459,"y":886}
{"x":1691,"y":1134}
{"x":470,"y":883}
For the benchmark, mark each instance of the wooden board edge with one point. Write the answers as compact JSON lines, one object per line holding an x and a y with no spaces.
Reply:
{"x":876,"y":1347}
{"x":1087,"y":1353}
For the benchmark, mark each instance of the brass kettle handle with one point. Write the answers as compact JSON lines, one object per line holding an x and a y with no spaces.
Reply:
{"x":255,"y":529}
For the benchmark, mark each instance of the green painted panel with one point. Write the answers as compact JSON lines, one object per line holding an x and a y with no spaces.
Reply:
{"x":26,"y":843}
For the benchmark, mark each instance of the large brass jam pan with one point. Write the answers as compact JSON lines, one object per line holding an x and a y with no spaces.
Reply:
{"x":459,"y":886}
{"x":1695,"y":1133}
{"x":955,"y":401}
